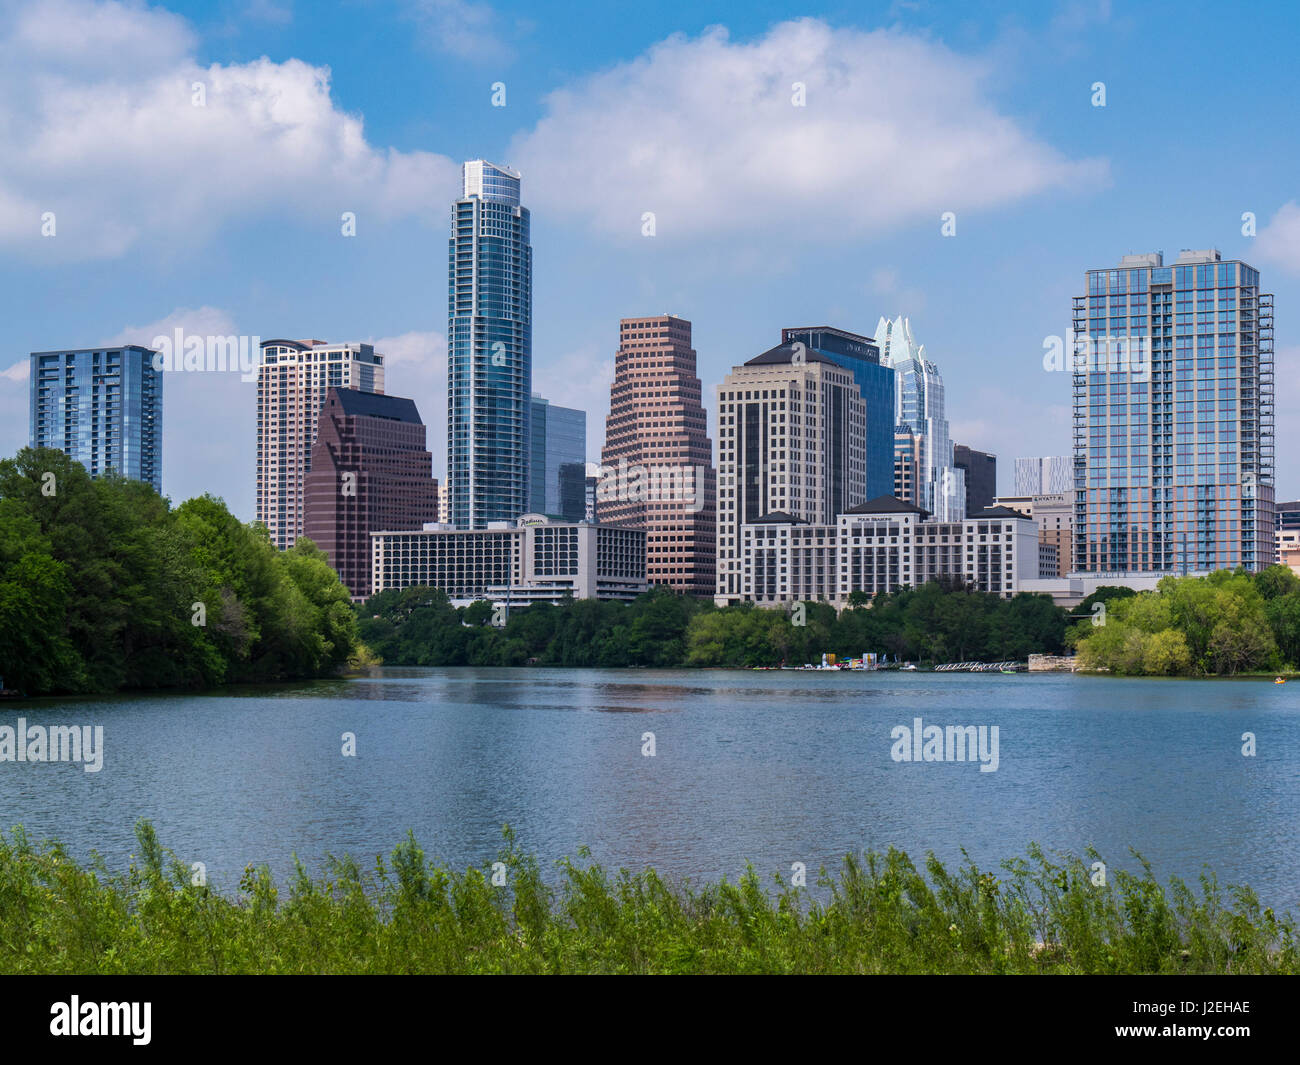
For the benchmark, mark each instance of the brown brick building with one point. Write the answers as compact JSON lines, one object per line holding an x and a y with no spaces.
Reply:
{"x":657,"y":463}
{"x":370,"y":472}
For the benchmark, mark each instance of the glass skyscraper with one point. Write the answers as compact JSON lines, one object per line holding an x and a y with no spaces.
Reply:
{"x":102,"y":407}
{"x":919,"y":407}
{"x":490,"y":350}
{"x":1173,"y":417}
{"x":559,"y":437}
{"x":861,"y":356}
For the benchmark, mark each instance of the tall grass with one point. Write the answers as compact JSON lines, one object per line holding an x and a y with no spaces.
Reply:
{"x":878,"y":914}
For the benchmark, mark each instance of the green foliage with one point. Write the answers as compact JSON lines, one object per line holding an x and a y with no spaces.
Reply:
{"x":99,"y":583}
{"x":878,"y":913}
{"x":938,"y":622}
{"x":1222,"y":624}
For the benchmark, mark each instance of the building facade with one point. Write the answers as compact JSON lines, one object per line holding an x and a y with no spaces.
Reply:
{"x":657,"y":469}
{"x":919,"y":405}
{"x":530,"y":560}
{"x":490,"y":349}
{"x":1173,"y":417}
{"x":879,"y":547}
{"x":292,"y":382}
{"x":980,"y":470}
{"x":559,"y":436}
{"x":101,"y":407}
{"x":861,"y":356}
{"x":1053,"y":513}
{"x":1044,"y":476}
{"x":907,"y":464}
{"x":791,"y":434}
{"x":369,"y":470}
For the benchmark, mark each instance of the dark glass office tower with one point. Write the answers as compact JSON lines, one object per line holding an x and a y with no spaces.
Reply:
{"x":102,"y":407}
{"x":1173,"y":417}
{"x":861,"y":356}
{"x":490,"y":349}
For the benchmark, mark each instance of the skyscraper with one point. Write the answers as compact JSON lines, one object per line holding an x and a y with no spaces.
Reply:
{"x":292,"y":382}
{"x":919,"y":405}
{"x":657,"y":463}
{"x":369,"y":472}
{"x":861,"y":356}
{"x":101,"y":407}
{"x":1037,"y":476}
{"x":558,"y":437}
{"x":980,"y":472}
{"x":490,"y":349}
{"x":1173,"y":417}
{"x":791,"y":442}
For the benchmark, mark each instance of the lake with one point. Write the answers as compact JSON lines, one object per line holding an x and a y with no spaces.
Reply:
{"x":767,"y":767}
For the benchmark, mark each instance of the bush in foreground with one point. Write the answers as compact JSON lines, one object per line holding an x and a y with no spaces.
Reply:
{"x":881,"y":915}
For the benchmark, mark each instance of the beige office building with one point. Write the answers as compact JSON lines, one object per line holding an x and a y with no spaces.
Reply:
{"x":791,"y":444}
{"x":291,"y":385}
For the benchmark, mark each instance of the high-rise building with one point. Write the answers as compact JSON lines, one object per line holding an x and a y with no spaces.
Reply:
{"x":101,"y":407}
{"x":919,"y":405}
{"x":369,"y":471}
{"x":657,"y":464}
{"x":1048,"y":475}
{"x":980,"y":471}
{"x":292,"y":382}
{"x":791,"y":442}
{"x":907,"y":464}
{"x":861,"y":356}
{"x":573,"y":491}
{"x":490,"y":349}
{"x":1173,"y":417}
{"x":558,"y":436}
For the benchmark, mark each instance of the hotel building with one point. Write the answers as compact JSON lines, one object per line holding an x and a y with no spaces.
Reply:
{"x":879,"y":547}
{"x":101,"y":407}
{"x":1053,"y":513}
{"x":657,"y":425}
{"x":292,"y":382}
{"x":1173,"y":417}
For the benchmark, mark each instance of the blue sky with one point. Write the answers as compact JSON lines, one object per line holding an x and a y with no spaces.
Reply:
{"x":225,"y":218}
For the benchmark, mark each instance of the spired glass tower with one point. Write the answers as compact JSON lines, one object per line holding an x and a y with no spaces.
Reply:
{"x":490,"y":356}
{"x":919,"y":408}
{"x":1173,"y":417}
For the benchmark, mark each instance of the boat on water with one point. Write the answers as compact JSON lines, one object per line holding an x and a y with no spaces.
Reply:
{"x":1279,"y":680}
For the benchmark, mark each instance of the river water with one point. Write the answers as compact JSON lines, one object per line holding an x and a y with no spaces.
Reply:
{"x":767,"y":767}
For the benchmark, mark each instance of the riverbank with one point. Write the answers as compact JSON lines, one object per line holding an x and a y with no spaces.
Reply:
{"x":409,"y":915}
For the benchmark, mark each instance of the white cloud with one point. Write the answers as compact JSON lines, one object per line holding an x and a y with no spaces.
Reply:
{"x":460,"y":28}
{"x":19,"y":371}
{"x":1279,"y":241}
{"x":702,"y":132}
{"x":97,"y":104}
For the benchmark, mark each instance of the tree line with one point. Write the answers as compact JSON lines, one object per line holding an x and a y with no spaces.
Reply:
{"x":1222,"y":624}
{"x":939,"y":622}
{"x":104,"y":586}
